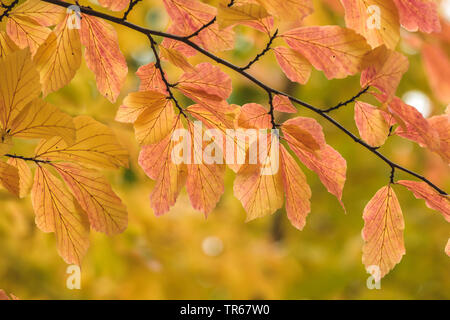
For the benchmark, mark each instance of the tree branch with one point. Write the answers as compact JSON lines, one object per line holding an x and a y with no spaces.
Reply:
{"x":37,"y":161}
{"x":8,"y":8}
{"x":130,"y":8}
{"x":352,"y":99}
{"x":257,"y":82}
{"x":262,"y":53}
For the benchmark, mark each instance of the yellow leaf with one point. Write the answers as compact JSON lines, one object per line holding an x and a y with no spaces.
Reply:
{"x":26,"y":33}
{"x":25,"y":175}
{"x":45,"y":14}
{"x":291,"y":10}
{"x":6,"y":45}
{"x":9,"y":178}
{"x":227,"y":16}
{"x":57,"y":212}
{"x":176,"y":58}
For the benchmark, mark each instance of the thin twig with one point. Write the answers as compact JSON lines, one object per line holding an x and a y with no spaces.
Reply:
{"x":249,"y":77}
{"x":8,"y":8}
{"x":130,"y":8}
{"x":27,"y":158}
{"x":352,"y":99}
{"x":262,"y":53}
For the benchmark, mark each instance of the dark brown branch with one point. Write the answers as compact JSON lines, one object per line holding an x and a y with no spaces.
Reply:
{"x":352,"y":99}
{"x":163,"y":75}
{"x":271,"y":110}
{"x":130,"y":8}
{"x":8,"y":8}
{"x":262,"y":53}
{"x":37,"y":161}
{"x":249,"y":77}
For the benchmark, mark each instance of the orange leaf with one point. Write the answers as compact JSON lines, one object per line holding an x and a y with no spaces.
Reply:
{"x":371,"y":124}
{"x":253,"y":115}
{"x":437,"y":67}
{"x":419,"y":15}
{"x":6,"y":45}
{"x":299,"y":132}
{"x":150,"y":79}
{"x":282,"y":103}
{"x":9,"y":178}
{"x":376,"y":20}
{"x":25,"y":175}
{"x":26,"y":33}
{"x":94,"y":194}
{"x":442,"y":125}
{"x":136,"y":102}
{"x":103,"y":55}
{"x":57,"y":212}
{"x":293,"y":64}
{"x":291,"y":10}
{"x":383,"y":231}
{"x":176,"y":58}
{"x":115,"y":5}
{"x":45,"y":14}
{"x":239,"y":14}
{"x":432,"y":198}
{"x":337,"y":51}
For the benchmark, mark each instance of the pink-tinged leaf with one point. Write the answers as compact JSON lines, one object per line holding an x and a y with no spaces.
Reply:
{"x":25,"y":175}
{"x":375,"y":20}
{"x":293,"y":64}
{"x":181,"y":47}
{"x":371,"y":124}
{"x":206,"y":85}
{"x":115,"y":5}
{"x":26,"y":33}
{"x":413,"y":125}
{"x":254,"y":116}
{"x":304,"y":133}
{"x":291,"y":10}
{"x":57,"y":212}
{"x":385,"y":68}
{"x":420,"y":15}
{"x":9,"y":178}
{"x":433,"y":199}
{"x":337,"y":51}
{"x":151,"y":79}
{"x":437,"y":67}
{"x":176,"y":58}
{"x":383,"y":231}
{"x":296,"y":189}
{"x":442,"y":125}
{"x":188,"y":16}
{"x":282,"y":103}
{"x":103,"y":55}
{"x":45,"y":14}
{"x":260,"y":194}
{"x":330,"y":166}
{"x":94,"y":194}
{"x":204,"y":182}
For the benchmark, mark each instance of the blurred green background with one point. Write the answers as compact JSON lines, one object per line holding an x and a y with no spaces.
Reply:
{"x":182,"y":255}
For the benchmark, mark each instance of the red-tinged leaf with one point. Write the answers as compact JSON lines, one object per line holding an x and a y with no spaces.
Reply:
{"x":375,"y":20}
{"x":330,"y":166}
{"x":204,"y":182}
{"x":297,"y":190}
{"x":433,"y":199}
{"x":437,"y":67}
{"x":304,"y":133}
{"x":103,"y":55}
{"x":25,"y":175}
{"x":9,"y":178}
{"x":45,"y":14}
{"x":371,"y":124}
{"x":384,"y":70}
{"x":189,"y":16}
{"x":115,"y":5}
{"x":291,"y":10}
{"x":136,"y":103}
{"x":95,"y":145}
{"x":337,"y":51}
{"x":260,"y":194}
{"x":151,"y":79}
{"x":254,"y":116}
{"x":6,"y":45}
{"x":413,"y":125}
{"x":94,"y":194}
{"x":57,"y":212}
{"x":59,"y":57}
{"x":156,"y":161}
{"x":181,"y":47}
{"x":420,"y":15}
{"x":26,"y":33}
{"x":282,"y":103}
{"x":207,"y":85}
{"x":176,"y":58}
{"x":442,"y":125}
{"x":383,"y":231}
{"x":19,"y":85}
{"x":293,"y":64}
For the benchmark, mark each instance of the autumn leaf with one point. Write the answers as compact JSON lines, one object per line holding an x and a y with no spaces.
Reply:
{"x":94,"y":194}
{"x":432,"y":198}
{"x":337,"y":51}
{"x":371,"y":124}
{"x":384,"y":69}
{"x":114,"y":5}
{"x":9,"y":178}
{"x":297,"y":190}
{"x":447,"y":248}
{"x":254,"y":116}
{"x":136,"y":103}
{"x":176,"y":58}
{"x":383,"y":231}
{"x":6,"y":45}
{"x":56,"y":211}
{"x":45,"y":14}
{"x":375,"y":20}
{"x":19,"y":85}
{"x":282,"y":103}
{"x":419,"y":15}
{"x":150,"y":78}
{"x":25,"y":175}
{"x":59,"y":57}
{"x":293,"y":64}
{"x":4,"y":296}
{"x":39,"y":119}
{"x":291,"y":10}
{"x":95,"y":145}
{"x":298,"y":132}
{"x":239,"y":13}
{"x":103,"y":55}
{"x":441,"y":124}
{"x":437,"y":68}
